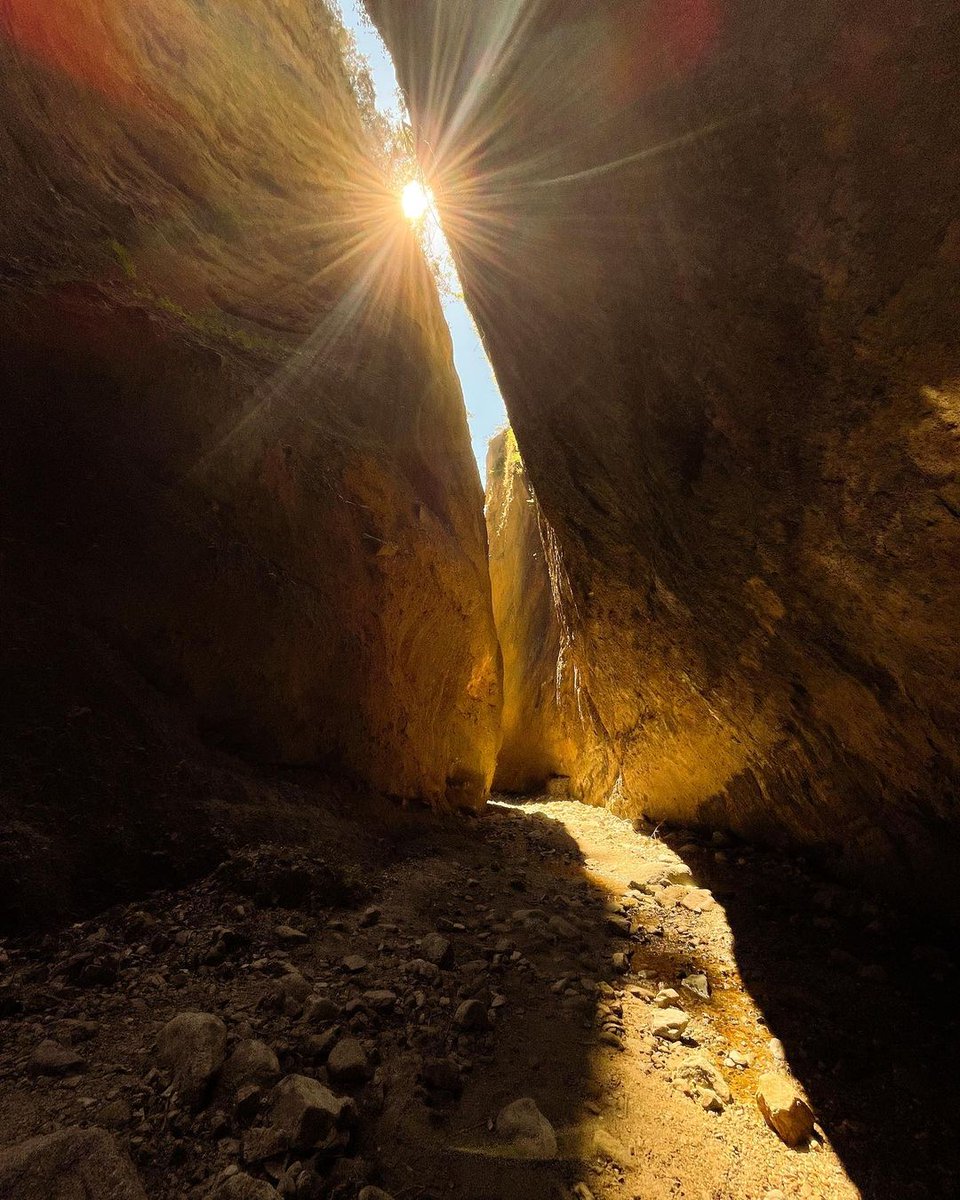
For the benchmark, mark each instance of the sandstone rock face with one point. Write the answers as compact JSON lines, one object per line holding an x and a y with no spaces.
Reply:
{"x":713,"y":248}
{"x":234,"y":449}
{"x":535,"y":746}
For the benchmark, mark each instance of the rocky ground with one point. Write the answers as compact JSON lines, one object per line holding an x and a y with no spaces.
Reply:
{"x":544,"y":1002}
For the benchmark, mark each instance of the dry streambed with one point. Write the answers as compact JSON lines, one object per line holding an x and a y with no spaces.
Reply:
{"x":550,"y":1006}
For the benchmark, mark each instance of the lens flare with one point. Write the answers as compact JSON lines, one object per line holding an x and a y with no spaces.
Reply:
{"x":414,"y":200}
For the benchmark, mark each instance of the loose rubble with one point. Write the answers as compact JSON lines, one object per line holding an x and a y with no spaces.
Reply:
{"x":269,"y":1032}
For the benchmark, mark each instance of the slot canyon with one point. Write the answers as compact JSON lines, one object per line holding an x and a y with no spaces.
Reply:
{"x":380,"y":825}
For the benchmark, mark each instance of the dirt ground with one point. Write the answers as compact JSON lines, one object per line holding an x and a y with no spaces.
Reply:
{"x":534,"y":918}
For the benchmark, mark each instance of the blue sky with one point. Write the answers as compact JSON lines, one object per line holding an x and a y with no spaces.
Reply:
{"x":485,"y":411}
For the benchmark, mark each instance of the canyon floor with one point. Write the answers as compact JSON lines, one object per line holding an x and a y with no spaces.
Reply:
{"x":404,"y":999}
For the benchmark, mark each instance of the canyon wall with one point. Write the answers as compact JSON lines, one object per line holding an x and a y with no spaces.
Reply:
{"x":536,"y":746}
{"x":235,"y":458}
{"x":714,"y":250}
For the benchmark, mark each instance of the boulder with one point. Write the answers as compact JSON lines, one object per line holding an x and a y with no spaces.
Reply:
{"x":72,"y":1164}
{"x":191,"y":1047}
{"x":302,"y":1116}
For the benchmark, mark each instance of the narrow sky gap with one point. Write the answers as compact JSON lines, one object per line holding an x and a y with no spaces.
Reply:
{"x":485,"y":410}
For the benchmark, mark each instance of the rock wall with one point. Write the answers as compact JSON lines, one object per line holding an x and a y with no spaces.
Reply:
{"x":714,"y":249}
{"x":233,"y":444}
{"x":536,"y":746}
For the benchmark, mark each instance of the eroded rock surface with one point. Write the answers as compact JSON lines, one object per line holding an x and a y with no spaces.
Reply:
{"x":234,"y":451}
{"x":72,"y":1164}
{"x":713,"y":248}
{"x":535,"y":745}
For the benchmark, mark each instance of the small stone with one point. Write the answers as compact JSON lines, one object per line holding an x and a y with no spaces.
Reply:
{"x":374,"y":1193}
{"x":422,"y":969}
{"x":246,"y":1101}
{"x":784,"y":1109}
{"x":115,"y":1115}
{"x":527,"y":1130}
{"x":710,"y":1101}
{"x":442,"y":1075}
{"x":703,"y":1081}
{"x":70,"y":1033}
{"x":320,"y":1010}
{"x":698,"y":900}
{"x":698,"y":985}
{"x":437,"y":950}
{"x":370,"y":917}
{"x":355,"y":963}
{"x":471,"y":1016}
{"x":347,"y":1063}
{"x":659,"y":874}
{"x":562,"y":929}
{"x":49,"y":1058}
{"x":609,"y":1148}
{"x":666,"y":998}
{"x":319,"y":1045}
{"x":381,"y":999}
{"x":669,"y":1023}
{"x":242,"y":1187}
{"x":291,"y":936}
{"x":290,"y":992}
{"x":192,"y":1047}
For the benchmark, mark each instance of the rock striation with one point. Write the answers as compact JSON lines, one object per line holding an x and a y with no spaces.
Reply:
{"x":713,"y":249}
{"x":536,"y":746}
{"x":235,"y":457}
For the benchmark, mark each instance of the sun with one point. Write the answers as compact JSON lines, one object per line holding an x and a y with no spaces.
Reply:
{"x":415,"y":200}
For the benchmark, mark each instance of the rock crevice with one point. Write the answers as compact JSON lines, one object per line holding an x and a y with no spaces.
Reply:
{"x":712,"y":249}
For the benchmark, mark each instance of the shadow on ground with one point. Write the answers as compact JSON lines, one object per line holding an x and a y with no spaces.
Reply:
{"x":860,"y":994}
{"x":508,"y":891}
